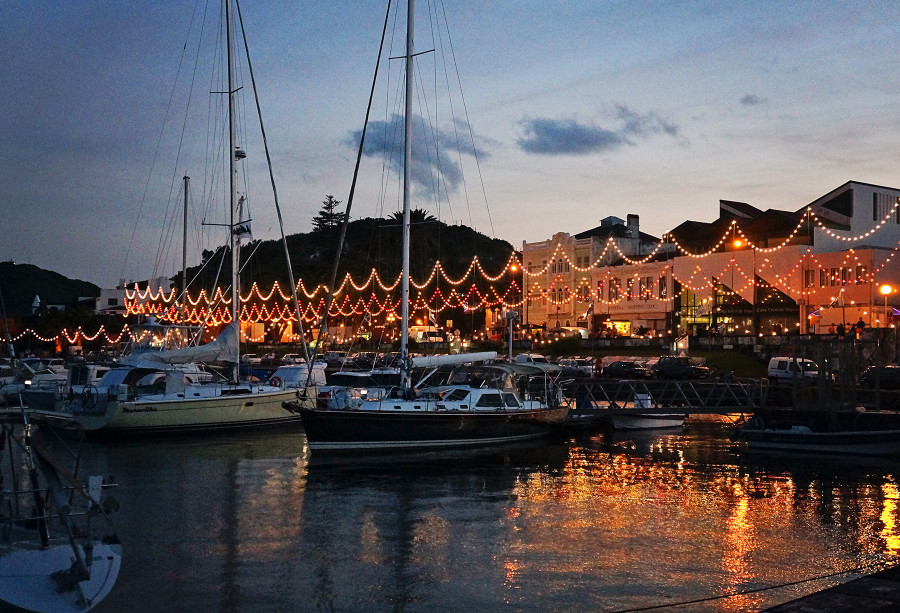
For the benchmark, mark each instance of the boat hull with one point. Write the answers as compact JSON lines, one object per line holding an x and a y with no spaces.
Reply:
{"x":799,"y":439}
{"x":185,"y":415}
{"x":26,"y":583}
{"x":349,"y":430}
{"x":648,"y":421}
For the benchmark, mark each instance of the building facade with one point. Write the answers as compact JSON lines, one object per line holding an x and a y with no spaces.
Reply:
{"x":748,"y":272}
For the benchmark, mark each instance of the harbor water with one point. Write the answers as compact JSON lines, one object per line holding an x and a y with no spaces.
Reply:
{"x":581,"y":523}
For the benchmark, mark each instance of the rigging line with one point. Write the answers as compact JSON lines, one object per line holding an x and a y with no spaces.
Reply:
{"x":375,"y":236}
{"x":465,"y":184}
{"x":858,"y":569}
{"x":469,"y":126}
{"x":167,"y":231}
{"x":329,"y":297}
{"x":156,"y":151}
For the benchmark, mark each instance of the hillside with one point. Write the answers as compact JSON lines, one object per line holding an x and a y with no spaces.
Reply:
{"x":370,"y":243}
{"x":20,"y":283}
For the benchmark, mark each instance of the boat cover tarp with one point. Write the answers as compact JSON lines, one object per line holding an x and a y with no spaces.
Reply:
{"x":223,"y":349}
{"x":455,"y":359}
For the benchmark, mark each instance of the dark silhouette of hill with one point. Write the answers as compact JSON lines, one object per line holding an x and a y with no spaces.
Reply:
{"x":20,"y":283}
{"x":370,"y":243}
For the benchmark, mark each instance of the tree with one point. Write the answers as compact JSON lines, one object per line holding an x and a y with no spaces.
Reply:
{"x":328,"y":218}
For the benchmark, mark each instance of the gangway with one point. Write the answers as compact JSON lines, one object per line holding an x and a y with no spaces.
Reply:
{"x":594,"y":399}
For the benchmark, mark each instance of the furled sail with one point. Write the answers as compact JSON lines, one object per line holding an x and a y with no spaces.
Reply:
{"x":223,"y":349}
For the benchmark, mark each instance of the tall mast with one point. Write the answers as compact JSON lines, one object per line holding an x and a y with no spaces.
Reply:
{"x":232,"y":149}
{"x":187,"y":180}
{"x":407,"y":159}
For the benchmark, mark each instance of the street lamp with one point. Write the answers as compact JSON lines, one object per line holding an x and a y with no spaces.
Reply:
{"x":886,"y":291}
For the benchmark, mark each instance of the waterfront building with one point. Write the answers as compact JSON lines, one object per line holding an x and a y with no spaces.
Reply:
{"x":748,"y":272}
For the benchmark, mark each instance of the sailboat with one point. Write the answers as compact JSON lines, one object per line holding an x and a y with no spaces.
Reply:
{"x":478,"y":404}
{"x":58,"y":547}
{"x":157,"y":392}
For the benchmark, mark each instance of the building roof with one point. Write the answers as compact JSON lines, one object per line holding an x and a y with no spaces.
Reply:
{"x":616,"y":231}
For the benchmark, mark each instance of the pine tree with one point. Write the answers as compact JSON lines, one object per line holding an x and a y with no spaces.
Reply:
{"x":328,"y":218}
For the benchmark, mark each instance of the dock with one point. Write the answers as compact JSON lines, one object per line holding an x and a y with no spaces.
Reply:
{"x":879,"y":591}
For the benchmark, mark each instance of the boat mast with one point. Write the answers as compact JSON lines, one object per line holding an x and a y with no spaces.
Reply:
{"x":407,"y":159}
{"x":187,"y":180}
{"x":232,"y":159}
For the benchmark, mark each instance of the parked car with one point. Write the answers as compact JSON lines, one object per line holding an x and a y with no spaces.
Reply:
{"x":626,"y":369}
{"x":787,"y":368}
{"x":882,"y":377}
{"x":679,"y":367}
{"x":289,"y":359}
{"x":577,"y":367}
{"x":251,"y":359}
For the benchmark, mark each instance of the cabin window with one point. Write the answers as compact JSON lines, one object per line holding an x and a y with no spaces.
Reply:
{"x":490,"y":400}
{"x":511,"y":400}
{"x":457,"y":394}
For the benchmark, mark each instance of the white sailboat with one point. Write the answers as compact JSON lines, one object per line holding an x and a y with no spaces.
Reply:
{"x":480,"y":404}
{"x":163,"y":391}
{"x":58,"y":548}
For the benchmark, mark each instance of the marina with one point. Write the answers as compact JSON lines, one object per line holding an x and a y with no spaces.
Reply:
{"x":393,"y":407}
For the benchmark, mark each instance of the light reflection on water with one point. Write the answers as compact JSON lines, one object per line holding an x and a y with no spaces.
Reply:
{"x":251,"y":524}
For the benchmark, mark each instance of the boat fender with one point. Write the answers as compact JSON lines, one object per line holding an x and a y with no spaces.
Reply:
{"x":276,"y":381}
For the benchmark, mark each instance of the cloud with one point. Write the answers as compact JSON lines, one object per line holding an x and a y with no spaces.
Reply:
{"x":546,"y":136}
{"x":752,"y":100}
{"x":434,"y":152}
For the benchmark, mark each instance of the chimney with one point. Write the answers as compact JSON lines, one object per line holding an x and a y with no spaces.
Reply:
{"x":633,"y":225}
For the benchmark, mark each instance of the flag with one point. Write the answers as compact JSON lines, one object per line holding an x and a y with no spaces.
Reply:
{"x":590,"y":310}
{"x":241,"y":230}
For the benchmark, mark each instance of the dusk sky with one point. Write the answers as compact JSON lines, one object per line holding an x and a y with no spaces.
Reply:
{"x":578,"y":111}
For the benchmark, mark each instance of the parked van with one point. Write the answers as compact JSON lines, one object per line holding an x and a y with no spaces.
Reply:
{"x":426,"y":334}
{"x":785,"y":369}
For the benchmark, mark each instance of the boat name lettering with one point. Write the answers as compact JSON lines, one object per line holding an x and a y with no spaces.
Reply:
{"x":141,"y":410}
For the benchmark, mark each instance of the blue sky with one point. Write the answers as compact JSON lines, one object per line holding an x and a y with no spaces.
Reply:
{"x":578,"y":110}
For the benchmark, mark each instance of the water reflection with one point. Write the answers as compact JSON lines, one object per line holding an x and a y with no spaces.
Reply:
{"x":254,"y":524}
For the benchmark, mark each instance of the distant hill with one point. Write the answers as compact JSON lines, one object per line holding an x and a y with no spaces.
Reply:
{"x":20,"y":283}
{"x":370,"y":243}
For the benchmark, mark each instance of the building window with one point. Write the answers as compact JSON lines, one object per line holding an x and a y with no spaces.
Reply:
{"x":112,"y":302}
{"x":599,"y":290}
{"x":862,"y":275}
{"x":845,"y":276}
{"x":835,"y":279}
{"x":663,"y":288}
{"x":645,"y":288}
{"x":823,"y":277}
{"x":629,"y":294}
{"x":613,"y":290}
{"x":584,"y":293}
{"x":809,"y":278}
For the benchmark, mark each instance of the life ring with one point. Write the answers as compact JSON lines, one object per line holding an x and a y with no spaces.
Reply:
{"x":276,"y":381}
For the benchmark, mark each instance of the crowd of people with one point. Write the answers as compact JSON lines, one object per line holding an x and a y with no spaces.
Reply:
{"x":847,"y":330}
